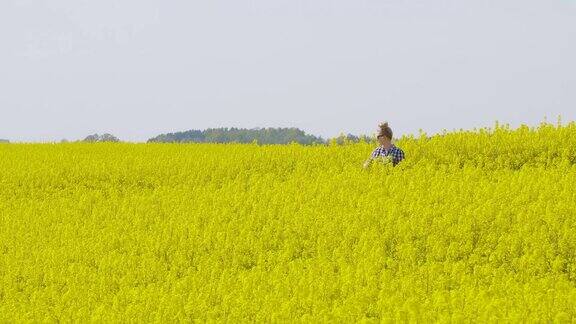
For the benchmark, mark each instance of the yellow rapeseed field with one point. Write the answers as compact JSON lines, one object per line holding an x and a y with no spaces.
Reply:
{"x":473,"y":226}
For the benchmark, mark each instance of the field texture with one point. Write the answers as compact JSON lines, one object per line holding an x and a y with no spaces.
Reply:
{"x":472,"y":226}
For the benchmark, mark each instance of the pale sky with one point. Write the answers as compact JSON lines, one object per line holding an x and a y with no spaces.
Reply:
{"x":138,"y":68}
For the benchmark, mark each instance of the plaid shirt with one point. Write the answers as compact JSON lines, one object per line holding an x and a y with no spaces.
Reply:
{"x":395,"y":152}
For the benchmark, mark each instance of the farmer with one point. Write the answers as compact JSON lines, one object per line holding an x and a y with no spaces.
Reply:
{"x":386,"y":148}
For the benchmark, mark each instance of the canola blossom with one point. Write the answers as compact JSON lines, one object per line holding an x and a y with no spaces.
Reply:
{"x":472,"y":226}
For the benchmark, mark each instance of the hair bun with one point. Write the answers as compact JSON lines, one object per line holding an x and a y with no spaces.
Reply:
{"x":385,"y":130}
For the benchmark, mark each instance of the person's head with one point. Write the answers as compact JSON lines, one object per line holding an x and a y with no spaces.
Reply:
{"x":385,"y":134}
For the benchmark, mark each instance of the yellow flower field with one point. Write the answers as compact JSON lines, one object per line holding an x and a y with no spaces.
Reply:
{"x":473,"y":226}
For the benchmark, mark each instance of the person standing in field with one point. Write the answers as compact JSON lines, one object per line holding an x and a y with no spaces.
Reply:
{"x":386,"y":149}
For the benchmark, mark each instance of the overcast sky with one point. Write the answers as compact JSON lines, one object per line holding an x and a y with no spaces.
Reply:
{"x":138,"y":68}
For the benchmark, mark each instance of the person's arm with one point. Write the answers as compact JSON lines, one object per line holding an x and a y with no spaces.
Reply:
{"x":398,"y":156}
{"x":367,"y":163}
{"x":372,"y":156}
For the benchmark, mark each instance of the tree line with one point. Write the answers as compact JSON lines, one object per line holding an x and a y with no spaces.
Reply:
{"x":242,"y":135}
{"x":234,"y":135}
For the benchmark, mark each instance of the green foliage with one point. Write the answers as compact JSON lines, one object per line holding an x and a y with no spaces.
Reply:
{"x":240,"y":135}
{"x":351,"y":139}
{"x":95,"y":138}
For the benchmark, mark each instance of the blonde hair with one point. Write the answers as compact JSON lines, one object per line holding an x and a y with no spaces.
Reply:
{"x":385,"y":130}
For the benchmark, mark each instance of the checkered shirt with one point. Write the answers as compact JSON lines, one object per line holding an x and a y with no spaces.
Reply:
{"x":395,"y":152}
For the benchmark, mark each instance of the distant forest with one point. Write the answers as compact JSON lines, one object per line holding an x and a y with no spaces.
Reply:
{"x":234,"y":135}
{"x":240,"y":135}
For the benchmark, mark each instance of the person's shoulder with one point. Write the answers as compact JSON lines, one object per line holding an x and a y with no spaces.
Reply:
{"x":397,"y":148}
